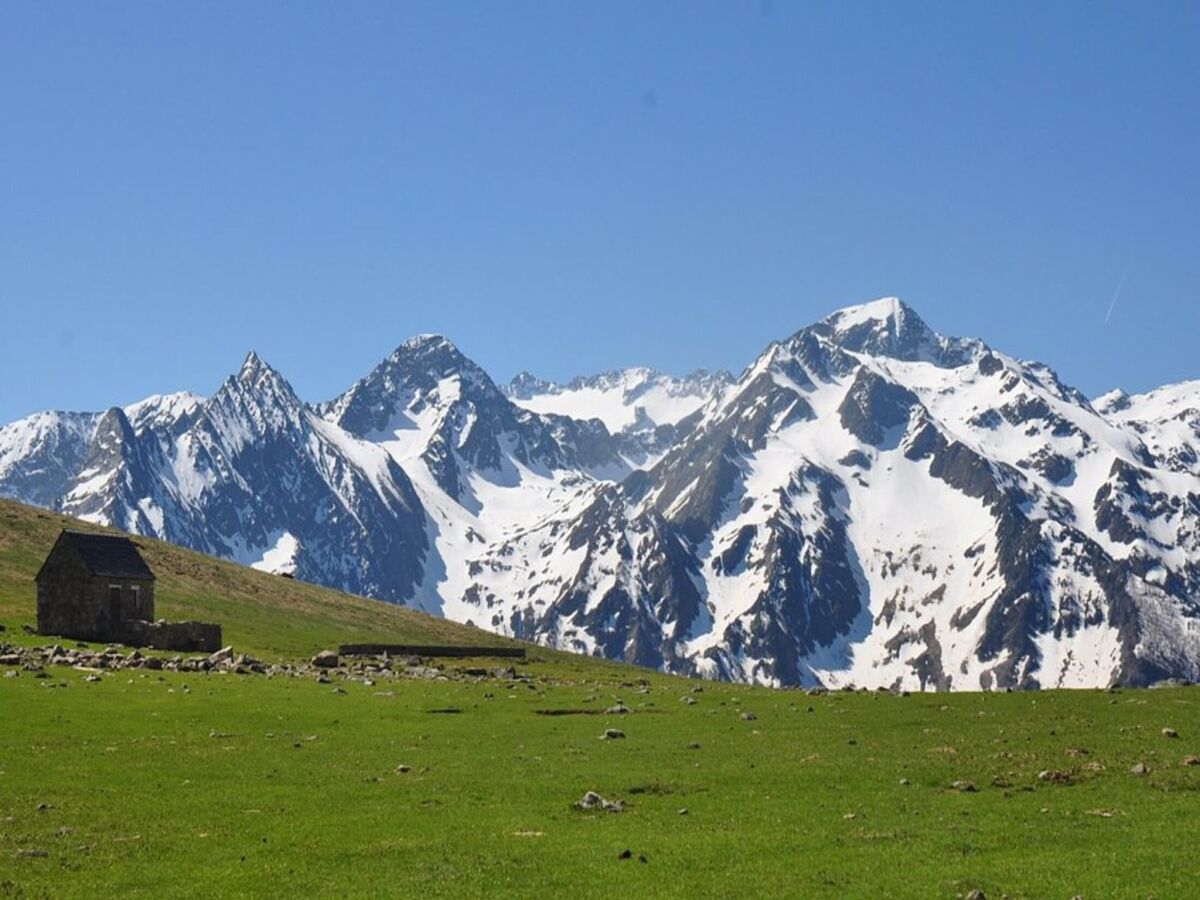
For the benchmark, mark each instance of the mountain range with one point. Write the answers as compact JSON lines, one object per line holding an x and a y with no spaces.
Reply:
{"x":869,"y":503}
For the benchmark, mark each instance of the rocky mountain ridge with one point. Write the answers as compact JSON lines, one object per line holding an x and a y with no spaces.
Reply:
{"x":868,"y":503}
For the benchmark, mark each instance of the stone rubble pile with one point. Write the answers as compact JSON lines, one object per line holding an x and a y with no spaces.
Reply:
{"x":323,"y":667}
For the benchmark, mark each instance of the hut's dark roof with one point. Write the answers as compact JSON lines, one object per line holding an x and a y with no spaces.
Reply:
{"x":109,"y":554}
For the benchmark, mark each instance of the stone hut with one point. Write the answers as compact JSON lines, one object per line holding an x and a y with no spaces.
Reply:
{"x":97,"y":587}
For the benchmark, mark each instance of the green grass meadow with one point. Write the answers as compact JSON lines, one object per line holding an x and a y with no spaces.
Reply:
{"x":161,"y":784}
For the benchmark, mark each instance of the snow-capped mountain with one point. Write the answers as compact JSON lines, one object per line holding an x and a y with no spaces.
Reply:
{"x":869,"y":503}
{"x":251,"y":474}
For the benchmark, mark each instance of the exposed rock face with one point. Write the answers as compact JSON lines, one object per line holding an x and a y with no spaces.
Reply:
{"x":869,"y":503}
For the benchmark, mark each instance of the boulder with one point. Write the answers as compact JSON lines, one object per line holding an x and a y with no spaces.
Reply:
{"x":224,"y":655}
{"x":592,"y":800}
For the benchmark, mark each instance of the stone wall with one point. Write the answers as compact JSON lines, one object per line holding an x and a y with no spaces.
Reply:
{"x":79,"y":605}
{"x":186,"y":637}
{"x":66,"y":601}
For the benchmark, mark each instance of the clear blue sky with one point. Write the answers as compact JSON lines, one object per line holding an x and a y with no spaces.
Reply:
{"x":571,"y":187}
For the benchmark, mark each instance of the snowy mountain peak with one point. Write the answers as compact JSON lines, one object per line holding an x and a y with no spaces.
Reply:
{"x":1113,"y":402}
{"x":889,"y":327}
{"x":432,"y":355}
{"x":163,"y":411}
{"x":885,"y":310}
{"x":428,"y":341}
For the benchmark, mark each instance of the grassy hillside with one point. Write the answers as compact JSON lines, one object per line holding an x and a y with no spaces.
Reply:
{"x":261,"y":614}
{"x":139,"y":783}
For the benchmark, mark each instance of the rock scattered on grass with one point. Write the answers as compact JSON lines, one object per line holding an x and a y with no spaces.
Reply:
{"x":1170,"y":733}
{"x":965,"y":787}
{"x":1054,"y":776}
{"x":592,"y":800}
{"x":694,"y":745}
{"x":403,"y":769}
{"x":625,"y":854}
{"x":903,"y":782}
{"x":1139,"y":769}
{"x":225,"y":654}
{"x":32,"y":853}
{"x":612,"y":734}
{"x":683,"y":812}
{"x":976,"y":894}
{"x":326,"y":659}
{"x":748,"y":717}
{"x":619,"y":709}
{"x":1191,"y":760}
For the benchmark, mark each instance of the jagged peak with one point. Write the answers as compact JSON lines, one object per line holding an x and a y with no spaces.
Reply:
{"x":253,"y":360}
{"x":259,"y":384}
{"x":255,"y":370}
{"x":525,"y":385}
{"x":415,"y":367}
{"x":434,"y":353}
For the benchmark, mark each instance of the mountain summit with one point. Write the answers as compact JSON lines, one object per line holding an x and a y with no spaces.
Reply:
{"x":869,"y":503}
